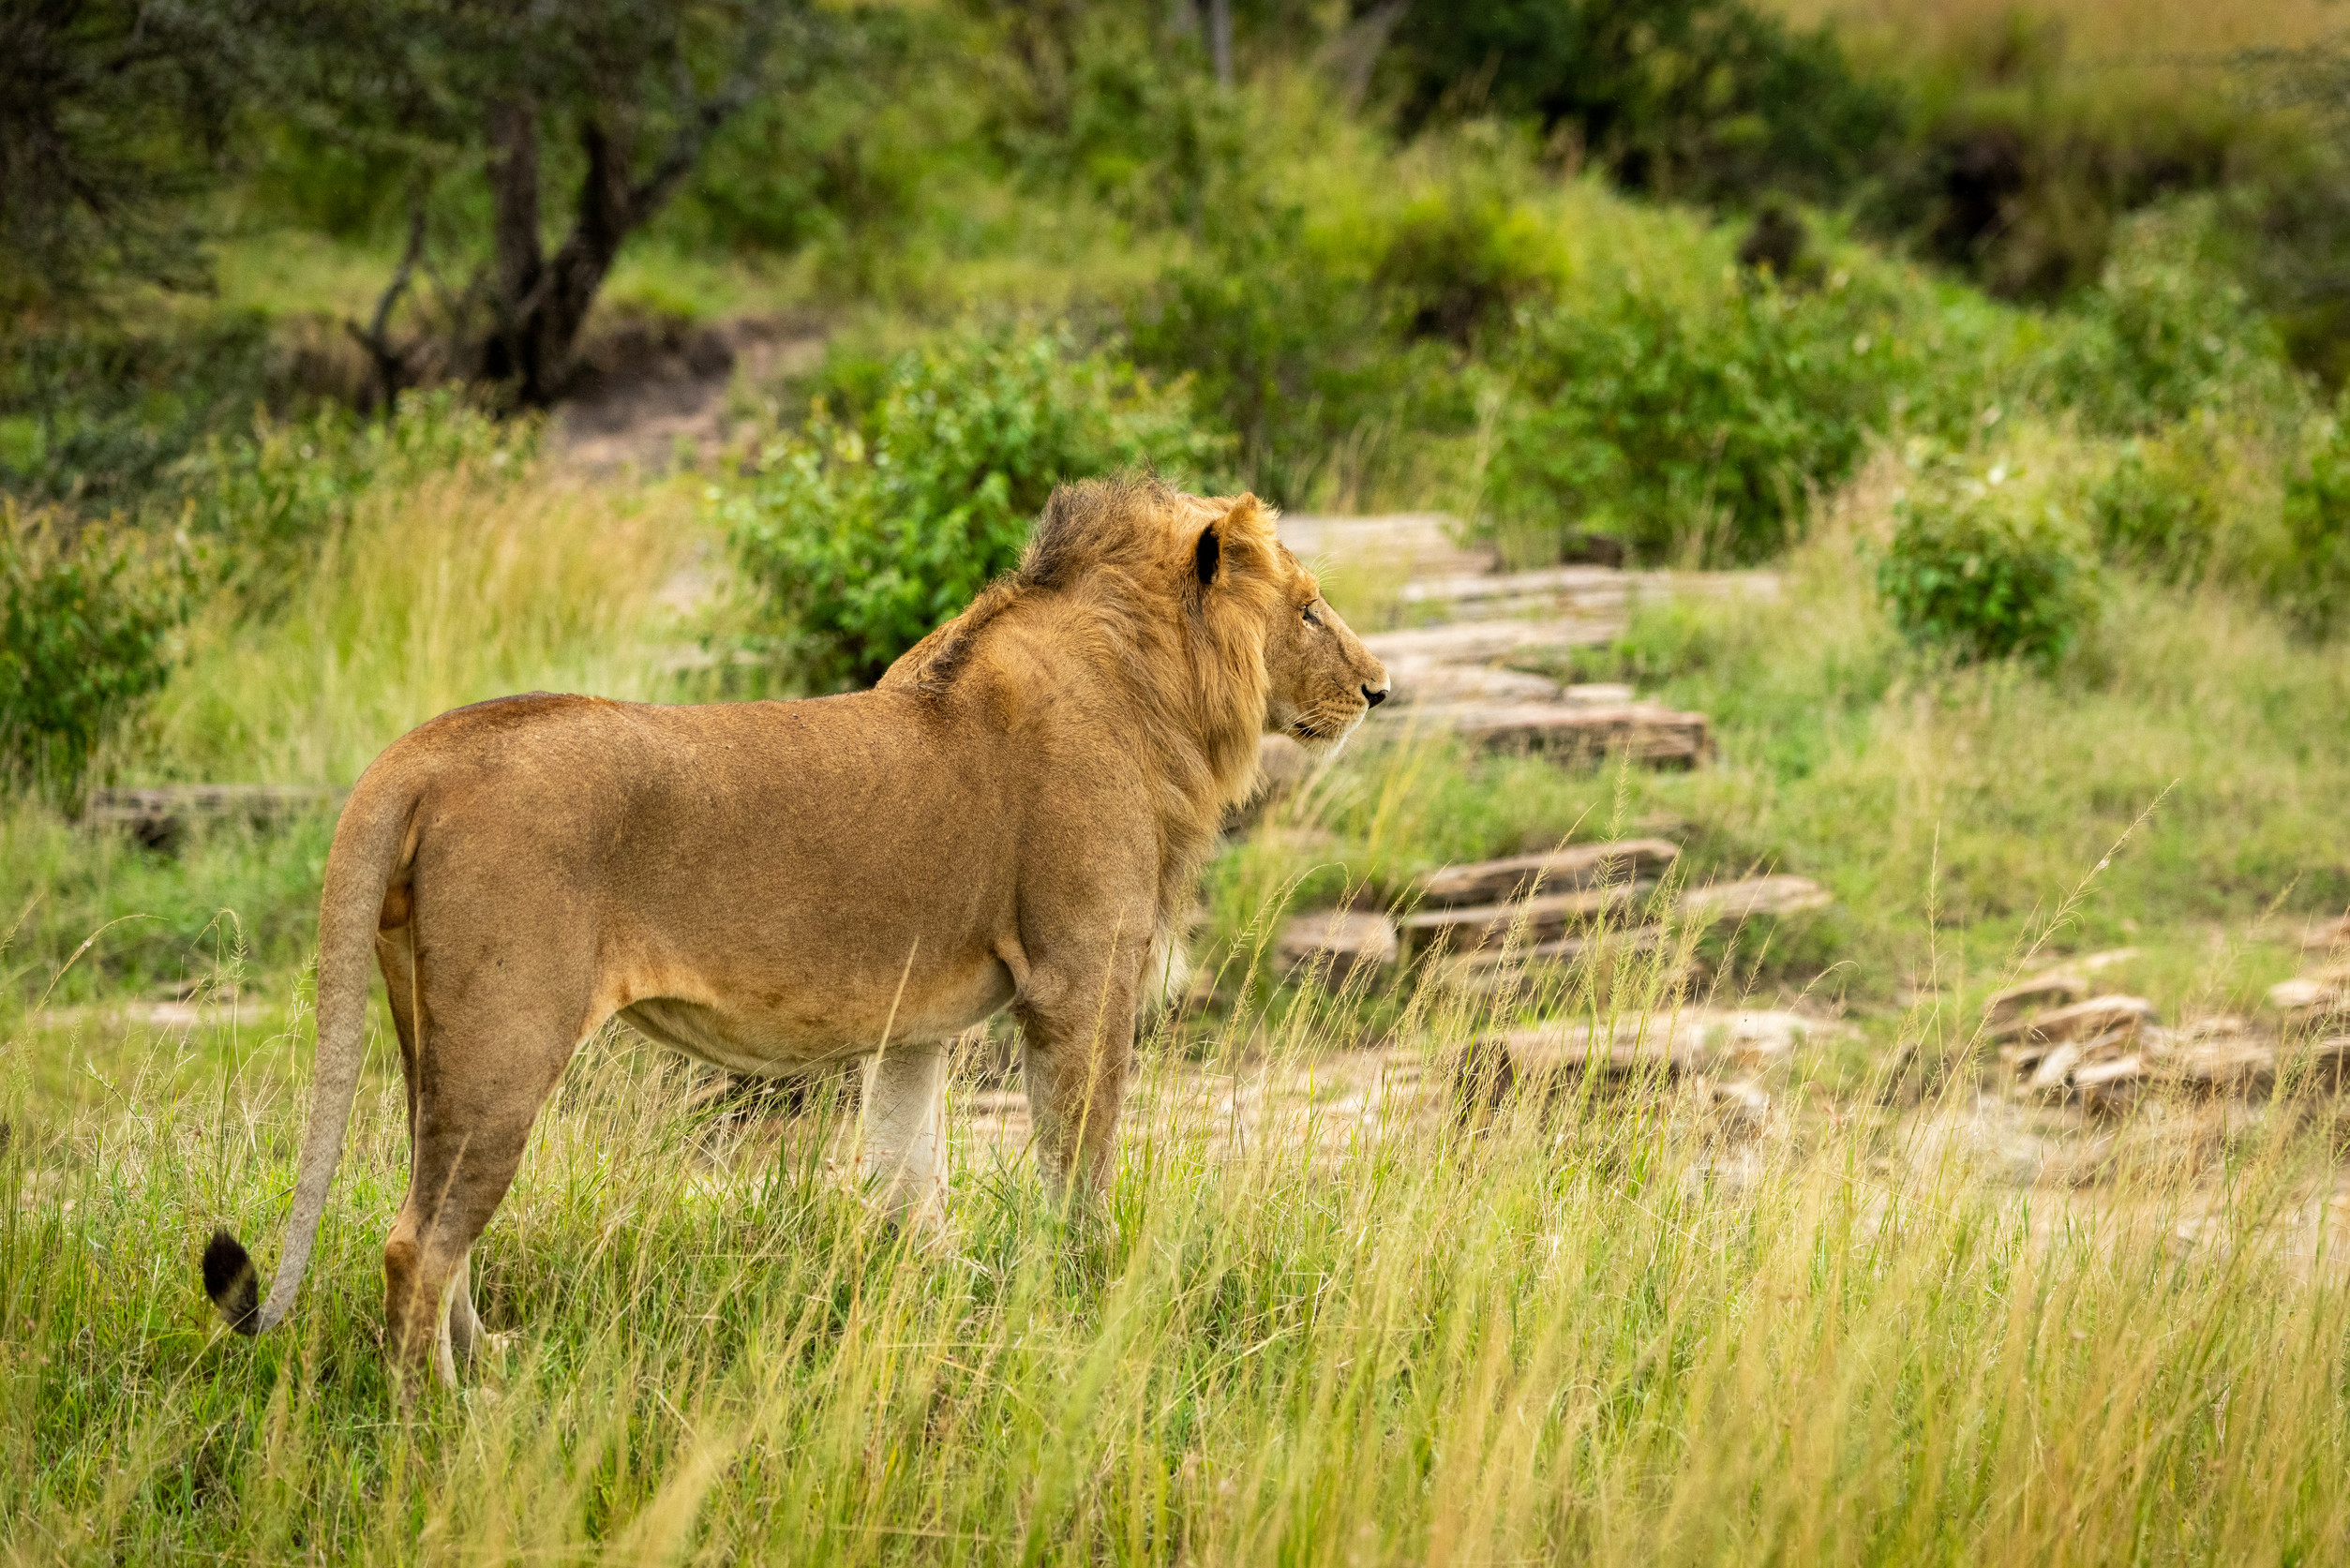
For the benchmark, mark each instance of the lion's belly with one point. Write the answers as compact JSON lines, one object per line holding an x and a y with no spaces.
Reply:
{"x":780,"y":1033}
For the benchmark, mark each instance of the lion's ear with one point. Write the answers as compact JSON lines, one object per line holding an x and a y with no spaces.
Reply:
{"x":1237,"y":537}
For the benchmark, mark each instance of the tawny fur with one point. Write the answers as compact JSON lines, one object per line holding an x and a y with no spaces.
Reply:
{"x":1015,"y":815}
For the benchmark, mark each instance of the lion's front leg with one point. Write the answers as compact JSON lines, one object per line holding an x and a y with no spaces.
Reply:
{"x":905,"y":1129}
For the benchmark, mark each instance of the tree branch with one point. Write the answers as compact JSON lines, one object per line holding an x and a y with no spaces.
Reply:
{"x":391,"y":363}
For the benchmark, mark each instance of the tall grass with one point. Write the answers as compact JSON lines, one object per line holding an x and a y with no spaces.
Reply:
{"x":1321,"y":1323}
{"x":1914,"y":791}
{"x":469,"y":585}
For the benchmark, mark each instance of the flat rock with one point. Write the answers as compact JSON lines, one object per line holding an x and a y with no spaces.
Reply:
{"x":2056,"y":989}
{"x":1648,"y":732}
{"x":2069,"y":983}
{"x":2328,"y":937}
{"x":2109,"y":1086}
{"x":1479,"y":594}
{"x":1557,"y":1057}
{"x":1530,"y":921}
{"x":1488,"y":641}
{"x":1760,"y":1036}
{"x":1337,"y":942}
{"x":2099,"y":1015}
{"x":2311,"y":997}
{"x":2220,"y":1064}
{"x":160,"y":816}
{"x":1581,"y":865}
{"x":1750,"y":897}
{"x":2054,"y":1070}
{"x":1490,"y":595}
{"x":1420,"y":545}
{"x":1427,"y":681}
{"x":1498,"y":971}
{"x":2321,"y":1066}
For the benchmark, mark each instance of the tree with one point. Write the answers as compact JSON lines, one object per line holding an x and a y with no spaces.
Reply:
{"x":619,"y":95}
{"x":1709,"y":98}
{"x":113,"y":115}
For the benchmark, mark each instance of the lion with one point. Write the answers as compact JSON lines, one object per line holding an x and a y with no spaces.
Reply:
{"x":1015,"y":815}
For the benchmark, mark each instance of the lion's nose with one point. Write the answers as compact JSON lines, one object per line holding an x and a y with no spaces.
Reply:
{"x":1374,"y":698}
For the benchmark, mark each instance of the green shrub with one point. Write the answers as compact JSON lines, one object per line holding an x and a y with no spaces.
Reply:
{"x":2168,"y":332}
{"x":1696,"y":426}
{"x":1988,"y":567}
{"x":86,"y":614}
{"x":867,"y":529}
{"x":264,"y":502}
{"x":2313,"y":581}
{"x":1461,"y":262}
{"x":2153,"y":510}
{"x":1288,"y":341}
{"x":1682,"y":97}
{"x":99,"y":415}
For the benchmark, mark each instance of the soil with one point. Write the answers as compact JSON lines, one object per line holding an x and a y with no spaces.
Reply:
{"x":652,"y":394}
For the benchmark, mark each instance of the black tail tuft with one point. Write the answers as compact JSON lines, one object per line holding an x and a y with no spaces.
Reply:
{"x":231,"y":1284}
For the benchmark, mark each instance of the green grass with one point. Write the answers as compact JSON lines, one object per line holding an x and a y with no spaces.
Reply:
{"x":1629,"y":1330}
{"x":1625,"y":1330}
{"x":1604,"y":1335}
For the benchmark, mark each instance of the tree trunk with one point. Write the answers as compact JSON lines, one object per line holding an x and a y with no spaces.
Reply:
{"x":1219,"y":39}
{"x":539,"y":304}
{"x":609,"y":210}
{"x":517,"y":264}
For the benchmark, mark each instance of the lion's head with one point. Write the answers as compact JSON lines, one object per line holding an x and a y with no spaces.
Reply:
{"x":1321,"y":680}
{"x":1196,"y":608}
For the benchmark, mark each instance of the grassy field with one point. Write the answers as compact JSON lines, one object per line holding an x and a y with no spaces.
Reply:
{"x":1621,"y":1330}
{"x":1614,"y":1332}
{"x":1856,"y":1303}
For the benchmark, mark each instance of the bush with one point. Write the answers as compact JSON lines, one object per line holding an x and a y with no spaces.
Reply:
{"x":1682,"y":97}
{"x":1693,"y":428}
{"x":85,"y":621}
{"x":1288,"y":341}
{"x":2166,"y":332}
{"x":868,"y":529}
{"x":2312,"y":582}
{"x":1988,"y":567}
{"x":265,"y":501}
{"x":2152,"y":511}
{"x":99,"y":416}
{"x":1461,"y":264}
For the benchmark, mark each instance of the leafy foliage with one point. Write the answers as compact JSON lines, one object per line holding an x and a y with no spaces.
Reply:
{"x":1463,"y":261}
{"x":1704,"y":98}
{"x":115,"y":119}
{"x":85,"y":620}
{"x":870,"y":528}
{"x":1988,"y":567}
{"x":2314,"y":581}
{"x":2167,"y":332}
{"x":101,"y":416}
{"x":267,"y":501}
{"x":2154,"y":509}
{"x":1287,"y":340}
{"x":1699,"y":422}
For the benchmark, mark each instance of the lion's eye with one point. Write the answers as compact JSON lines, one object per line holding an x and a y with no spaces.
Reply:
{"x":1311,"y":619}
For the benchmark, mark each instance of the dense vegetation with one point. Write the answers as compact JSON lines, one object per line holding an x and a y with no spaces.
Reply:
{"x":2009,"y":356}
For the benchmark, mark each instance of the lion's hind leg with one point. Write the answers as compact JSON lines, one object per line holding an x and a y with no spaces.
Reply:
{"x":480,"y":1088}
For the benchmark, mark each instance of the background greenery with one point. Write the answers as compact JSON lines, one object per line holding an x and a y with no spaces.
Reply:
{"x":2000,"y":342}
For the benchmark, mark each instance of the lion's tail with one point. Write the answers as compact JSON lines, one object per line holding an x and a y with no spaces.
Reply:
{"x":371,"y":849}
